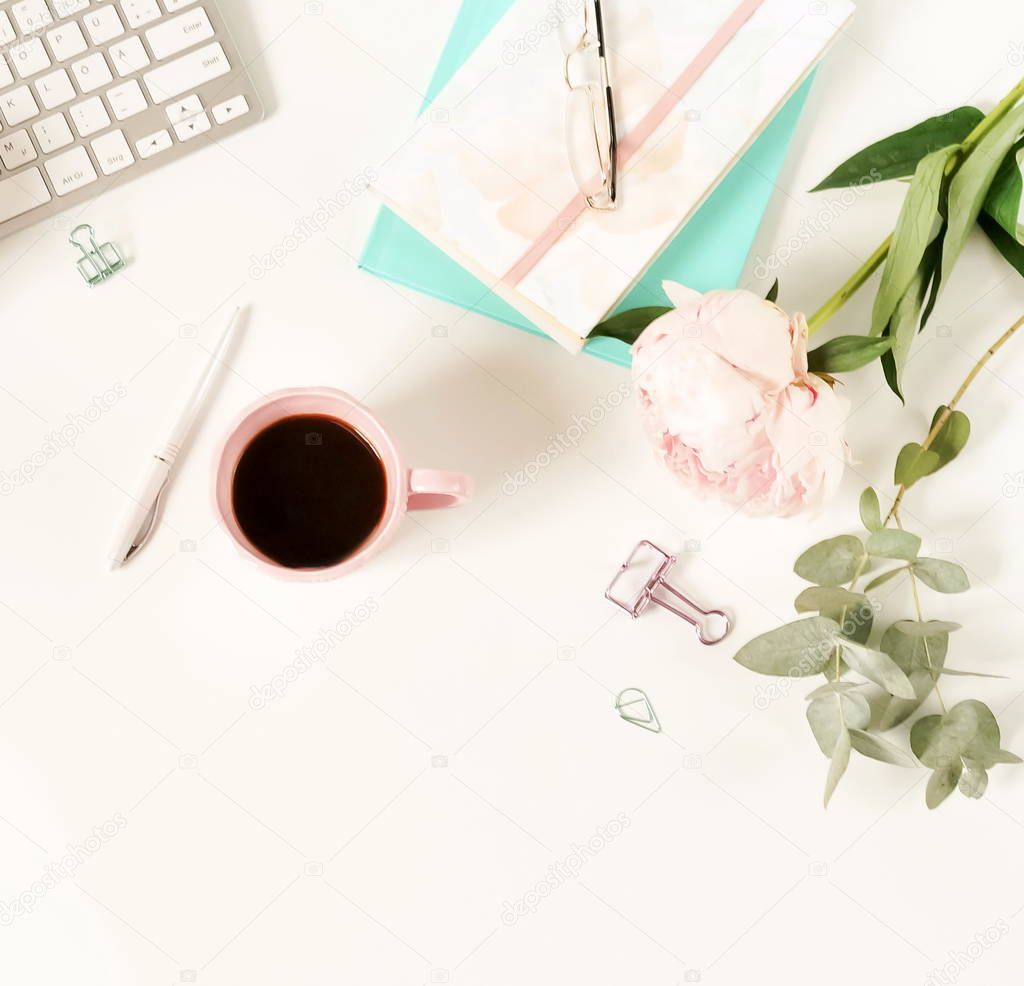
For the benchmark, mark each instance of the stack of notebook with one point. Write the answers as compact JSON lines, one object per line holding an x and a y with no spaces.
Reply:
{"x":708,"y":93}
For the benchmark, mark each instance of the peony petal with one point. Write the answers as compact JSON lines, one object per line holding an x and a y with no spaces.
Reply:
{"x":685,"y":299}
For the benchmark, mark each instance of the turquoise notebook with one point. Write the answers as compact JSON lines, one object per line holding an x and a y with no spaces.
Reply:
{"x":708,"y":253}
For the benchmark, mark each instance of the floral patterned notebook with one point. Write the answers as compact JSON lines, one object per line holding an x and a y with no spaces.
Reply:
{"x":485,"y":173}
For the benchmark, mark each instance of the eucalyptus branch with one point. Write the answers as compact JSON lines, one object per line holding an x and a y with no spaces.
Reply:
{"x":947,"y":411}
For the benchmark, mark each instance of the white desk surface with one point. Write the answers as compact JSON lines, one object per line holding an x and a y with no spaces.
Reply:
{"x":372,"y":823}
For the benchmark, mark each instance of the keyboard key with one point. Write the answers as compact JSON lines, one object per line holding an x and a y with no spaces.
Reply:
{"x":70,"y":171}
{"x":127,"y":99}
{"x":128,"y":56}
{"x":65,"y":8}
{"x":112,"y":152}
{"x":22,"y":193}
{"x":192,"y":127}
{"x":185,"y":73}
{"x":31,"y":15}
{"x":18,"y":106}
{"x":230,"y":109}
{"x":139,"y":12}
{"x":55,"y":89}
{"x":173,"y":5}
{"x":103,"y":25}
{"x":179,"y":33}
{"x":7,"y":35}
{"x":154,"y":144}
{"x":29,"y":58}
{"x":66,"y":41}
{"x":92,"y":72}
{"x":53,"y":133}
{"x":17,"y":149}
{"x":6,"y":78}
{"x":89,"y":116}
{"x":182,"y":109}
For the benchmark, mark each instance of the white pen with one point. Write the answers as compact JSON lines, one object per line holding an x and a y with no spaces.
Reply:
{"x":139,"y":525}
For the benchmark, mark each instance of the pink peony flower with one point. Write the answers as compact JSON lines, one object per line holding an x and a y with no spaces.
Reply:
{"x":730,"y":407}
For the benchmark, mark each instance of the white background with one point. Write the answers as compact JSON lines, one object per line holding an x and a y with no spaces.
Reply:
{"x":371,"y":822}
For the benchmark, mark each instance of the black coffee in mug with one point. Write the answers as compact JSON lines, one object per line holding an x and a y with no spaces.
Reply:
{"x":309,"y":491}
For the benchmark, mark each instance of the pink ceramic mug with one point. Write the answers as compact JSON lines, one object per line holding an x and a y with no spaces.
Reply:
{"x":407,"y":489}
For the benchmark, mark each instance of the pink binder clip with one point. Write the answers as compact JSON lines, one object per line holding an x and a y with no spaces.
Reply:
{"x":643,"y":574}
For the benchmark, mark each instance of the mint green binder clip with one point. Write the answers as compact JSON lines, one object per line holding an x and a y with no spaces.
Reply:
{"x":99,"y":261}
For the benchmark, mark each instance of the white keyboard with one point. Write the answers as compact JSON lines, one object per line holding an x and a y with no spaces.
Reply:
{"x":94,"y":92}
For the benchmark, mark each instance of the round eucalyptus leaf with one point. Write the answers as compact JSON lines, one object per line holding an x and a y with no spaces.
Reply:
{"x":885,"y":577}
{"x":914,"y":463}
{"x":941,"y":784}
{"x":973,"y":782}
{"x":834,"y":688}
{"x":832,"y":715}
{"x":870,"y":511}
{"x":942,"y":576}
{"x":894,"y":544}
{"x":889,"y":711}
{"x":816,"y":598}
{"x":911,"y":652}
{"x":969,"y":729}
{"x":832,"y":562}
{"x":796,"y":649}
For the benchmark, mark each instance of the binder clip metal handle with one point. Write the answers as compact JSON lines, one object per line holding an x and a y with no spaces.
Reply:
{"x":656,"y":581}
{"x":99,"y":261}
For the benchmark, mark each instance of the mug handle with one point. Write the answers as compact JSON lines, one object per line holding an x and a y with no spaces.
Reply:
{"x":431,"y":489}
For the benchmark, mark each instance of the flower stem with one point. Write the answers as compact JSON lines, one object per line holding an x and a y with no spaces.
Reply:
{"x":957,"y":397}
{"x":864,"y":272}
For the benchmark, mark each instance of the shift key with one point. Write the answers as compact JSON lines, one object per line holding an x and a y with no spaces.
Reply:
{"x":186,"y":73}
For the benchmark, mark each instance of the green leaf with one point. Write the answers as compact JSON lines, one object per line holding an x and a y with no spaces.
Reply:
{"x":840,"y":761}
{"x":1011,"y":250}
{"x":817,"y":598}
{"x":972,"y":674}
{"x":1004,"y":197}
{"x":919,"y":223}
{"x":912,"y":651}
{"x":628,"y":325}
{"x":773,"y":292}
{"x":952,"y":436}
{"x":970,"y":185}
{"x":898,"y":155}
{"x":925,"y":628}
{"x":845,"y":353}
{"x":832,"y":562}
{"x":796,"y":649}
{"x":834,"y":688}
{"x":907,"y":319}
{"x":829,"y":717}
{"x":941,"y":784}
{"x":877,"y":748}
{"x":890,"y":711}
{"x":877,"y":666}
{"x":973,"y":782}
{"x":893,"y":543}
{"x":942,"y":576}
{"x":914,"y":463}
{"x":870,"y":511}
{"x":885,"y":576}
{"x":968,"y":731}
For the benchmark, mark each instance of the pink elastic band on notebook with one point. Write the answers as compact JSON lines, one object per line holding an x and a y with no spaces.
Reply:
{"x":630,"y":144}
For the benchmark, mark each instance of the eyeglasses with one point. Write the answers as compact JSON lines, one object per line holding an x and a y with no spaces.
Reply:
{"x":590,"y":113}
